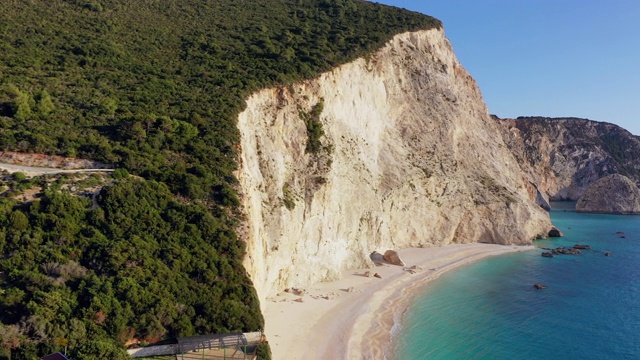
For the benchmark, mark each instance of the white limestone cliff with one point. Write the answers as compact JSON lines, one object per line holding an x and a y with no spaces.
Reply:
{"x":410,"y":158}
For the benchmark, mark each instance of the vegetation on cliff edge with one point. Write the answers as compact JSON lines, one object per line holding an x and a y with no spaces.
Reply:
{"x":154,"y":88}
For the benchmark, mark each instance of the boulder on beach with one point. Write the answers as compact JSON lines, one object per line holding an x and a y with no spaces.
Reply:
{"x":377,"y":258}
{"x":392,"y":257}
{"x":563,"y":251}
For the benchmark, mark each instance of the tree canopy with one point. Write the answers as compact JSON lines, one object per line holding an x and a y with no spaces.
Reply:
{"x":153,"y":87}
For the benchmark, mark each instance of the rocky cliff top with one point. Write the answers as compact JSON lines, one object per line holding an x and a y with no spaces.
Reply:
{"x":614,"y":194}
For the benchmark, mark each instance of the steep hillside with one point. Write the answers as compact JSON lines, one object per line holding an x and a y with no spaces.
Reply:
{"x":153,"y":87}
{"x":564,"y":156}
{"x":395,"y":150}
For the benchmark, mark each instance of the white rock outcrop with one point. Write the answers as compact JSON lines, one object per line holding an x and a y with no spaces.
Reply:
{"x":409,"y":158}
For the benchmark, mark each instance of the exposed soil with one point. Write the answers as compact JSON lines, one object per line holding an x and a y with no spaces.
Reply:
{"x":50,"y":161}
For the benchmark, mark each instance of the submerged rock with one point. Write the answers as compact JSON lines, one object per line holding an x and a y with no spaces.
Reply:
{"x":563,"y":251}
{"x":582,"y":247}
{"x":614,"y":194}
{"x":540,"y":286}
{"x":547,"y":254}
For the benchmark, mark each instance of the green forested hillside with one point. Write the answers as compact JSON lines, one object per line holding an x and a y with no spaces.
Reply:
{"x":153,"y":87}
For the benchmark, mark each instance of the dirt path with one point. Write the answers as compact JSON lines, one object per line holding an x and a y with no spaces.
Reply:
{"x":37,"y":170}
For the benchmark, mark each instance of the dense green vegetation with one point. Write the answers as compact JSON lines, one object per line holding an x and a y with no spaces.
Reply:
{"x":314,"y":127}
{"x":139,"y":265}
{"x":154,"y":88}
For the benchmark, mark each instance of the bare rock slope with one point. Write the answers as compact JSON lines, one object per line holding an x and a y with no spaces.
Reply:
{"x":409,"y":157}
{"x":613,"y":194}
{"x":563,"y":157}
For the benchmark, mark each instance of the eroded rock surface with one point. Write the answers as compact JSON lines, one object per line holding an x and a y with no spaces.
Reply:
{"x":409,"y":158}
{"x":614,"y":194}
{"x":563,"y":157}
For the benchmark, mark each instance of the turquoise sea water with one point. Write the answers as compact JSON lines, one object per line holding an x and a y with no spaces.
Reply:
{"x":490,"y":310}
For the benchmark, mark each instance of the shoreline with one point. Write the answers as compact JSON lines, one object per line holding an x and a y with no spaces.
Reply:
{"x":353,"y":317}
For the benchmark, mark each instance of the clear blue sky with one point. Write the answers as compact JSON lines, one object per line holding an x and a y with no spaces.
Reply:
{"x":554,"y":58}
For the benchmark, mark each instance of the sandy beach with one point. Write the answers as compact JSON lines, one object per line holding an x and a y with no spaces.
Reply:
{"x":352,"y":318}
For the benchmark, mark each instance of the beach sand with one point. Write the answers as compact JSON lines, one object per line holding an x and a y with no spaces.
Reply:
{"x":352,"y":318}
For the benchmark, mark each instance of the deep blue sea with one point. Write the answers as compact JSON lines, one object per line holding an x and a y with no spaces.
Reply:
{"x":490,"y":310}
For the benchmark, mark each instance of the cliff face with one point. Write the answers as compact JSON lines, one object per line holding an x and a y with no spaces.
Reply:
{"x":614,"y":194}
{"x":562,"y":157}
{"x":409,"y":157}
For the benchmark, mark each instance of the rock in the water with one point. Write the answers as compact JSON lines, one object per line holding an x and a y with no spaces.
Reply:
{"x":614,"y":194}
{"x":377,"y":258}
{"x":582,"y":247}
{"x":392,"y":257}
{"x":562,"y":250}
{"x":607,"y":253}
{"x":554,"y":232}
{"x":540,"y":286}
{"x":547,"y":254}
